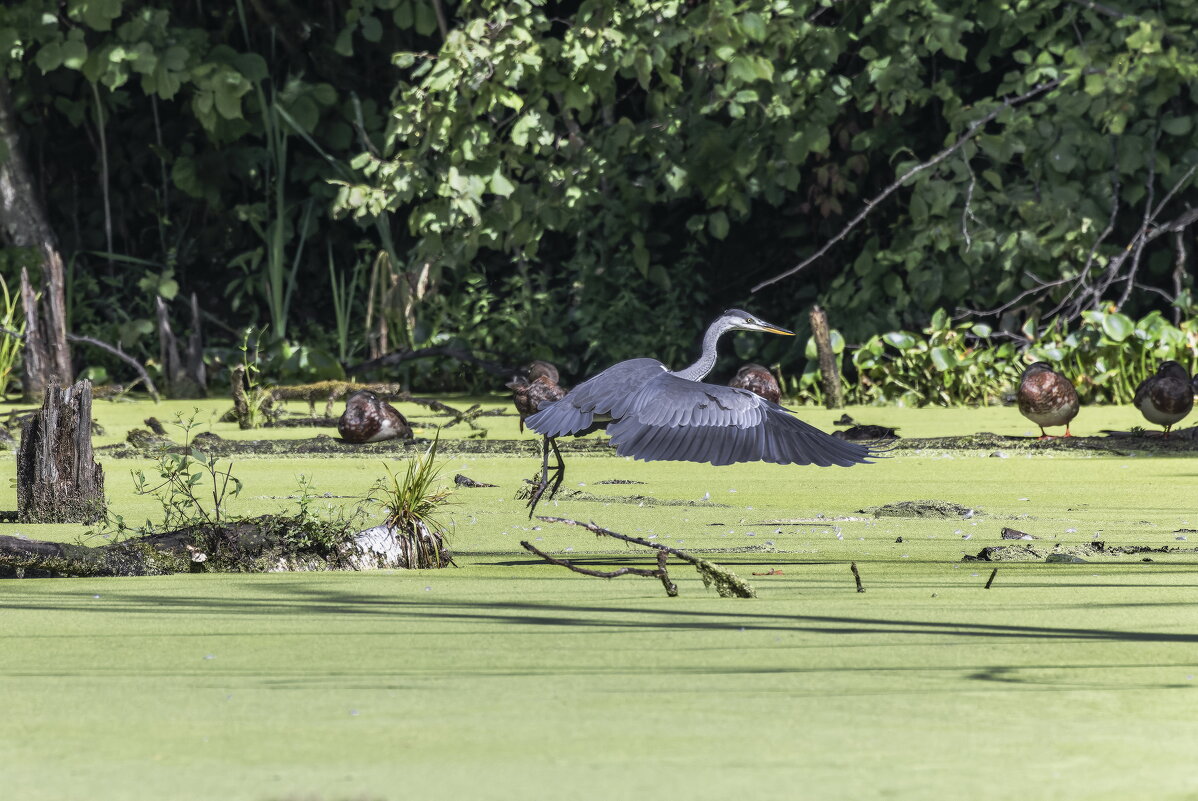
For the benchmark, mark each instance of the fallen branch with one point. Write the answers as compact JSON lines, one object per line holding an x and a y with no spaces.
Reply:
{"x":125,"y":357}
{"x":990,"y":580}
{"x":659,"y":573}
{"x":104,"y":346}
{"x":974,"y":128}
{"x":726,"y":583}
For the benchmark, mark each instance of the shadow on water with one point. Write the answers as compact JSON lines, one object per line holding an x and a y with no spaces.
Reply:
{"x":316,"y":601}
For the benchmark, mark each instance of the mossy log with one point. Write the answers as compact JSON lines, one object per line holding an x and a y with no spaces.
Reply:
{"x":259,"y":545}
{"x":58,"y":478}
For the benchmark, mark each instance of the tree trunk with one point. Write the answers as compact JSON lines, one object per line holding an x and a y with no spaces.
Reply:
{"x":168,"y":349}
{"x":193,"y":356}
{"x":185,"y":377}
{"x":58,"y":479}
{"x":830,"y":373}
{"x":24,"y":224}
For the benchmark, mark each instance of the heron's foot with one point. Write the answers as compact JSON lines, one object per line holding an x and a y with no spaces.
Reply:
{"x":539,"y":487}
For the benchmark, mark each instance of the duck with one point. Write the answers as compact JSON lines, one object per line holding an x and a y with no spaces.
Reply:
{"x":1166,"y":397}
{"x":528,"y":395}
{"x":539,"y":367}
{"x":759,"y":381}
{"x":1047,"y":398}
{"x":369,"y":418}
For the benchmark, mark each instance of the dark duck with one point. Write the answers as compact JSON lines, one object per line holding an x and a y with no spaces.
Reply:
{"x":539,"y":387}
{"x":759,"y":381}
{"x":1047,"y":398}
{"x":1166,"y":397}
{"x":368,"y":418}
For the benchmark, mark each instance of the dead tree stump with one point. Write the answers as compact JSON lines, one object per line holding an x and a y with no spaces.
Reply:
{"x":185,"y":377}
{"x":58,"y":479}
{"x":829,"y":372}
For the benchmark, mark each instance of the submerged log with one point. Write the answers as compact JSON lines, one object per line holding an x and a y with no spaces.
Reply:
{"x":58,"y":479}
{"x":264,"y":544}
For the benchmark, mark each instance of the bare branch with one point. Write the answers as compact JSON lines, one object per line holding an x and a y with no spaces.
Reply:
{"x":1149,"y":215}
{"x":973,"y":129}
{"x":1179,"y":271}
{"x":125,"y":357}
{"x":1083,"y":278}
{"x":967,"y":211}
{"x":727,"y":583}
{"x":1100,"y":8}
{"x":659,"y":573}
{"x":442,"y":24}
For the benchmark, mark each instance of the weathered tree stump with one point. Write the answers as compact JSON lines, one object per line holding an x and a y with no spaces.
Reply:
{"x":186,"y":377}
{"x":58,"y":479}
{"x":829,"y":372}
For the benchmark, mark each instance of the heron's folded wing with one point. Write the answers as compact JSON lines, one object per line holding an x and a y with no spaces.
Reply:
{"x":671,"y":418}
{"x":607,"y":394}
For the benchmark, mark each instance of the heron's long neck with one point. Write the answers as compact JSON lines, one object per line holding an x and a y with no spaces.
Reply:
{"x":706,"y":360}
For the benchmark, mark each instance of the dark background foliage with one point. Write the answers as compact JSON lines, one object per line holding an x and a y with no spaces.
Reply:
{"x":587,"y":181}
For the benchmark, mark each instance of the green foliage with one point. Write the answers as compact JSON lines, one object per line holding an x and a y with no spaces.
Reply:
{"x":12,"y":323}
{"x":611,"y":173}
{"x":951,"y":363}
{"x":252,"y":401}
{"x":192,"y":488}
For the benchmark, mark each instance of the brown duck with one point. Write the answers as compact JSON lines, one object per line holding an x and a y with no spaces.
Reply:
{"x":529,"y":395}
{"x":1167,"y":397}
{"x":1047,"y":398}
{"x":368,"y":418}
{"x":759,"y":381}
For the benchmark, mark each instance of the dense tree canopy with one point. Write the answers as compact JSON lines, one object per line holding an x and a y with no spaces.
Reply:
{"x":589,"y":180}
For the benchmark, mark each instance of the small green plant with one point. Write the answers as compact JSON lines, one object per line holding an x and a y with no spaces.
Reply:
{"x":319,"y":530}
{"x":192,"y":487}
{"x":10,"y":337}
{"x":411,"y":502}
{"x":252,"y":401}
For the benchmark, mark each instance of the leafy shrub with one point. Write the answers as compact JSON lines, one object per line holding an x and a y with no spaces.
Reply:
{"x":965,"y":363}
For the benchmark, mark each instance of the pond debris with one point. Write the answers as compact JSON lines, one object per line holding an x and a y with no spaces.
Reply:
{"x":1016,"y":534}
{"x":466,"y":481}
{"x":923,"y":508}
{"x":726,"y":583}
{"x":1029,"y":553}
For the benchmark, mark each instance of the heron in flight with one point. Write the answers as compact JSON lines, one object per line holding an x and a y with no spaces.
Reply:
{"x":657,"y":414}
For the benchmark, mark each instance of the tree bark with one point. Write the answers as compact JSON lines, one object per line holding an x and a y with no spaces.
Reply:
{"x":58,"y":479}
{"x":829,"y":372}
{"x":193,"y":356}
{"x":24,"y":224}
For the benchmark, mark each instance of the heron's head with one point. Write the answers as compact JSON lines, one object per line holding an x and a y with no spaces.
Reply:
{"x":739,"y":320}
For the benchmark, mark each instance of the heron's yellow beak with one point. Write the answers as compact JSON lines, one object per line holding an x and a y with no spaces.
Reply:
{"x":770,"y":328}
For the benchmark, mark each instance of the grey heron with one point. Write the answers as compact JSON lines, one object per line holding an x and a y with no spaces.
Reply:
{"x":657,"y":414}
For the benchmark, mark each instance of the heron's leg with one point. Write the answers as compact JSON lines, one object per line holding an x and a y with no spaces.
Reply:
{"x":560,"y":470}
{"x":539,"y":488}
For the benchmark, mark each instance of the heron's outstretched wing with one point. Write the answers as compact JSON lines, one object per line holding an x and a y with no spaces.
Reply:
{"x":671,"y":418}
{"x":607,"y":395}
